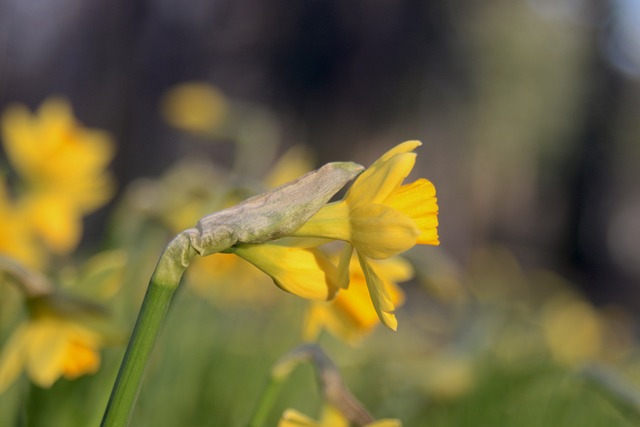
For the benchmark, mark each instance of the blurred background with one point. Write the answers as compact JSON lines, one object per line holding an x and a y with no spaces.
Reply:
{"x":528,"y":109}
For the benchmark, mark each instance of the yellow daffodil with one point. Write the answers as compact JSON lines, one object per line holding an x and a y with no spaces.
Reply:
{"x":62,"y":166}
{"x":331,"y":417}
{"x":380,"y":217}
{"x":350,"y":315}
{"x":50,"y":345}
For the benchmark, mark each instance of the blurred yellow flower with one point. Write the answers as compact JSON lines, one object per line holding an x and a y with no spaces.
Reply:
{"x":350,"y":315}
{"x":226,"y":278}
{"x":380,"y":218}
{"x":331,"y":417}
{"x":50,"y":345}
{"x":294,"y":163}
{"x":16,"y":240}
{"x":61,"y":164}
{"x":195,"y":107}
{"x":573,"y":330}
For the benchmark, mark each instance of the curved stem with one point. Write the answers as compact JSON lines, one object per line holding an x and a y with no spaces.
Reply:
{"x":163,"y":284}
{"x":333,"y":389}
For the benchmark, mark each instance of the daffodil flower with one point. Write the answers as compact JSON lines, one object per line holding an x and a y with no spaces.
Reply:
{"x":62,"y":165}
{"x":350,"y":316}
{"x":331,"y":417}
{"x":49,"y":345}
{"x":380,"y":217}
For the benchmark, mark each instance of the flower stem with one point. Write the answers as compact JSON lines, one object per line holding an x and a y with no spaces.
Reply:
{"x":163,"y":284}
{"x":125,"y":391}
{"x":267,"y":400}
{"x":334,"y":391}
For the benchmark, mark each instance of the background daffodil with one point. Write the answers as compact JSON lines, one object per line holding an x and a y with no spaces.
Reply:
{"x":331,"y":417}
{"x":224,"y":279}
{"x":380,"y":217}
{"x":62,"y":166}
{"x":57,"y":340}
{"x":350,"y":316}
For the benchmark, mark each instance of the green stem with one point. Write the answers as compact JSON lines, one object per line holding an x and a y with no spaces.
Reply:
{"x":267,"y":400}
{"x":125,"y":392}
{"x":163,"y":284}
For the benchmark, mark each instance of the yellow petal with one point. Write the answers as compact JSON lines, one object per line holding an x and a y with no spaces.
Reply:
{"x":55,"y":114}
{"x":53,"y":153}
{"x":377,"y":182}
{"x":418,"y":201}
{"x":343,"y":266}
{"x":46,"y":353}
{"x":355,"y":309}
{"x":60,"y":347}
{"x":301,"y":271}
{"x":55,"y":219}
{"x":387,"y":167}
{"x":380,"y":296}
{"x":351,"y":315}
{"x":293,"y":418}
{"x":404,"y":147}
{"x":332,"y":417}
{"x":16,"y":238}
{"x":395,"y":269}
{"x":80,"y":359}
{"x":387,"y":422}
{"x":379,"y":232}
{"x":332,"y":221}
{"x":17,"y":137}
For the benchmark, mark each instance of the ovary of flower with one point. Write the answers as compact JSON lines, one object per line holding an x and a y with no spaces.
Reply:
{"x":62,"y":164}
{"x":380,"y":217}
{"x":350,"y":315}
{"x":48,"y":347}
{"x":331,"y":417}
